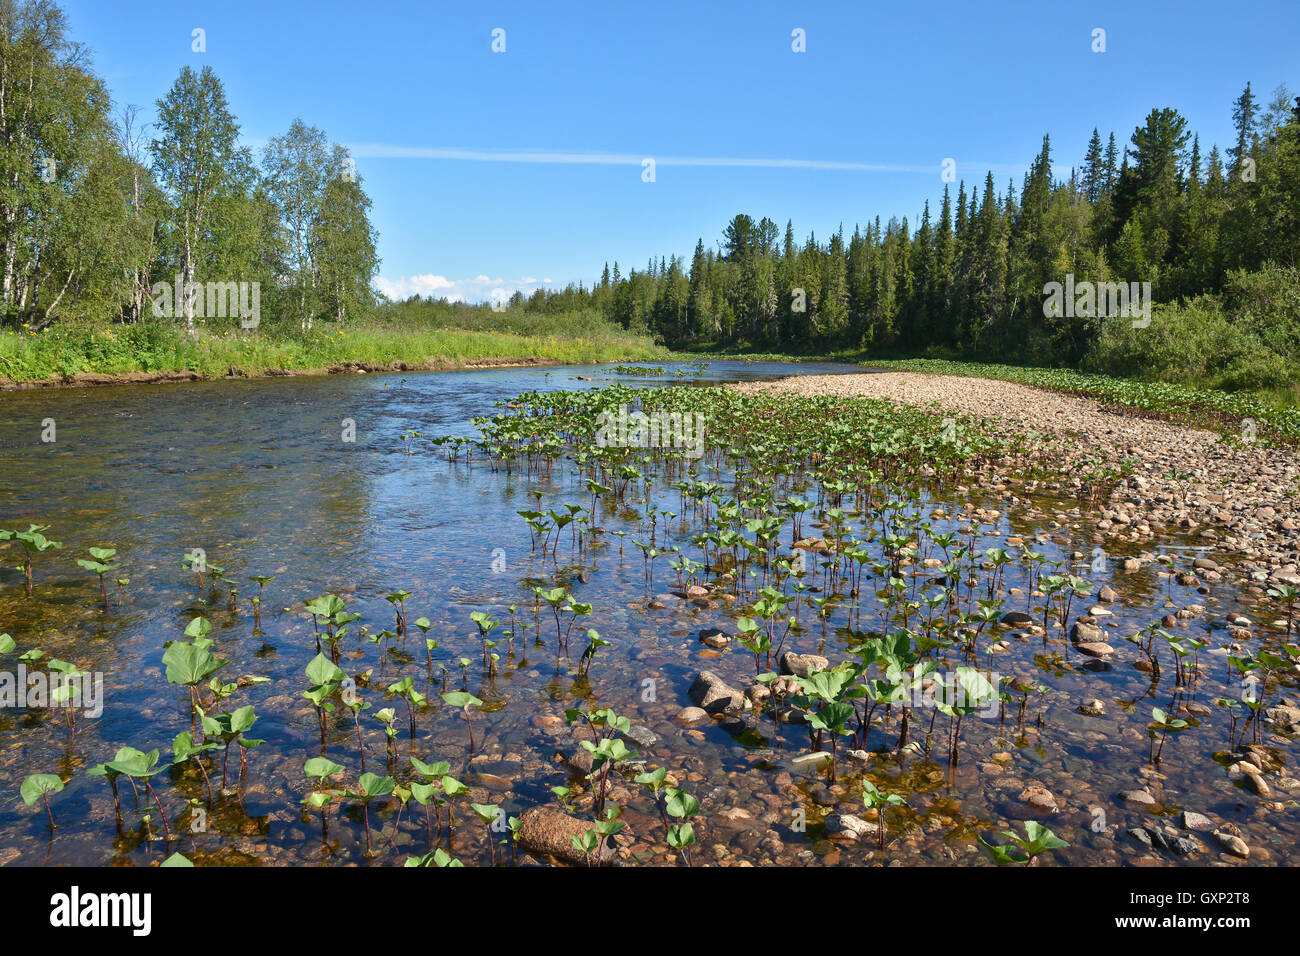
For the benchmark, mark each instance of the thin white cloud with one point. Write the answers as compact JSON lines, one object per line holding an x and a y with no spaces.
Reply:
{"x":569,"y":157}
{"x":480,"y":288}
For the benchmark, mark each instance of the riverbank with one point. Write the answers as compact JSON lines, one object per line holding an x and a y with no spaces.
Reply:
{"x":1237,"y":498}
{"x":149,"y":353}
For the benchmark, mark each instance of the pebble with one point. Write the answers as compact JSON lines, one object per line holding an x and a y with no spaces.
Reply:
{"x":1138,"y":797}
{"x":1039,"y":797}
{"x":1232,"y":843}
{"x":1191,"y":820}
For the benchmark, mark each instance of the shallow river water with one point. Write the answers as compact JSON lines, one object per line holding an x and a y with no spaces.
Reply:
{"x":261,"y":477}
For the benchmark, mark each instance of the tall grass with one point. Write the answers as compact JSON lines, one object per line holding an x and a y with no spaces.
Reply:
{"x":63,"y":351}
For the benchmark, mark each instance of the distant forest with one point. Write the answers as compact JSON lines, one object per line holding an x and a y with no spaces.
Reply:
{"x":1217,"y":234}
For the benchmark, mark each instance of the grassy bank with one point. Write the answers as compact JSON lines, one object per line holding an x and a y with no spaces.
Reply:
{"x":62,"y":353}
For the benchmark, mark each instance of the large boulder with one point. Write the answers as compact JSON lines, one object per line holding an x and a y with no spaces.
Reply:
{"x":801,"y":665}
{"x":1085,"y":633}
{"x":850,"y":828}
{"x":549,"y":832}
{"x":714,"y":695}
{"x":1284,"y":717}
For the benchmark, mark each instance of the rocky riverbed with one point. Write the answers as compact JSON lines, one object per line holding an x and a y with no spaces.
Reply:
{"x":1241,"y":499}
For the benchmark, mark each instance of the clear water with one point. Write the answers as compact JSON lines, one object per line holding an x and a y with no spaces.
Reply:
{"x":257,"y":474}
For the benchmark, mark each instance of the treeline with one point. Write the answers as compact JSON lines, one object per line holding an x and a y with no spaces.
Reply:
{"x":967,"y":278}
{"x":105,"y":219}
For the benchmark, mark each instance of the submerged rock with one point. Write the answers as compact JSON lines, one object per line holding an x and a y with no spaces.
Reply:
{"x":1039,"y":797}
{"x":1191,"y":820}
{"x":1232,"y":843}
{"x":1286,"y":718}
{"x":714,"y":638}
{"x":811,"y":761}
{"x":1141,"y":798}
{"x":801,"y":665}
{"x":643,"y":737}
{"x":714,"y":695}
{"x":547,"y":831}
{"x":1095,"y":649}
{"x":1085,"y":633}
{"x":854,"y":828}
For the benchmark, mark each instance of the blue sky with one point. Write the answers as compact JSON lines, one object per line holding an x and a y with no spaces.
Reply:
{"x":468,"y":154}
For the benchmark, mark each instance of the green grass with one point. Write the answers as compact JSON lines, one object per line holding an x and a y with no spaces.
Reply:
{"x":61,"y":352}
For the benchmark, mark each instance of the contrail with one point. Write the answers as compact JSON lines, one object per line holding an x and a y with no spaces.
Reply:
{"x":563,"y":157}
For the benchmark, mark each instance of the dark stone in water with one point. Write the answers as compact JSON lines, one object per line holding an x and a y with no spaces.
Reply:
{"x":734,"y":726}
{"x":711,"y":692}
{"x":641,"y":736}
{"x":1183,"y":846}
{"x":1157,"y":838}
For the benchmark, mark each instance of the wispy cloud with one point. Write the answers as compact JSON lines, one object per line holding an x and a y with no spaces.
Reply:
{"x":580,"y":158}
{"x":478,"y":289}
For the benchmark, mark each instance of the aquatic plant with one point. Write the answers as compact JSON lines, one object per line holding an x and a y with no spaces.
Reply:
{"x":451,"y":788}
{"x":370,"y":787}
{"x":488,"y":812}
{"x":605,"y":748}
{"x":831,"y":692}
{"x":184,"y":750}
{"x":320,"y":769}
{"x":387,"y":716}
{"x":554,"y":597}
{"x":189,"y":664}
{"x":325,"y":677}
{"x":671,"y":801}
{"x":34,"y":542}
{"x":1037,"y":839}
{"x":439,"y":857}
{"x":261,"y":580}
{"x":873,"y":798}
{"x":426,"y":793}
{"x":65,"y":690}
{"x":405,"y":688}
{"x":100,"y":563}
{"x":464,"y":701}
{"x":430,"y":644}
{"x":39,"y":786}
{"x":485,"y":625}
{"x":332,"y":611}
{"x":1163,"y":723}
{"x":683,"y":807}
{"x":230,"y":729}
{"x":142,"y":766}
{"x":594,"y":643}
{"x":1288,"y":596}
{"x":398,"y":600}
